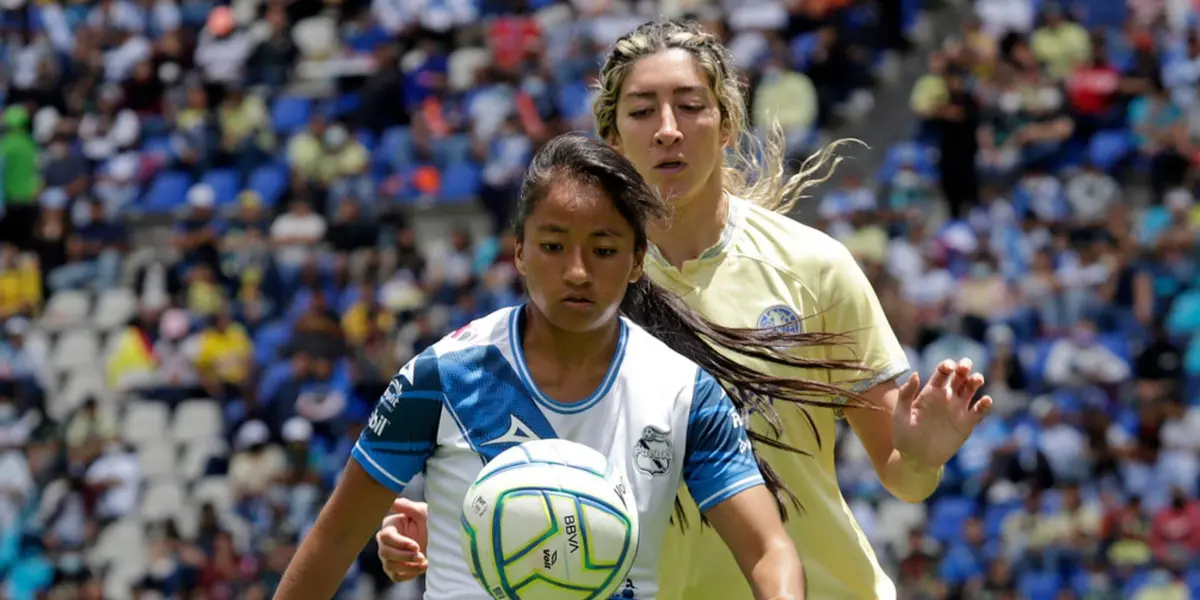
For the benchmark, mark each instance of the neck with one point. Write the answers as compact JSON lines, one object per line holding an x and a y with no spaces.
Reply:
{"x":567,"y":349}
{"x":695,"y":226}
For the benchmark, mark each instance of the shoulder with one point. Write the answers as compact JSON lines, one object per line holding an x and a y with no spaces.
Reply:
{"x":490,"y":330}
{"x":792,"y":249}
{"x":651,"y":363}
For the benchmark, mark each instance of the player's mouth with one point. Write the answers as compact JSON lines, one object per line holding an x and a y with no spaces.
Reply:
{"x":578,"y":302}
{"x":669,"y":167}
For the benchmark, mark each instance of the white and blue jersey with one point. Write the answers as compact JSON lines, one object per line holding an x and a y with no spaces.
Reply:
{"x":470,"y":397}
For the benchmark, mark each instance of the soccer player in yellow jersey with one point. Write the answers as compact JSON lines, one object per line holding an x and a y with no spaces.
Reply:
{"x":670,"y":101}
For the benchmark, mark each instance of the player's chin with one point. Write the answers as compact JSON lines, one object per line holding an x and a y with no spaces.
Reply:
{"x":580,"y":317}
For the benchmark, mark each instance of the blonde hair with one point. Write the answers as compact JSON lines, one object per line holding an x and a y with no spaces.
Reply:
{"x":753,"y":169}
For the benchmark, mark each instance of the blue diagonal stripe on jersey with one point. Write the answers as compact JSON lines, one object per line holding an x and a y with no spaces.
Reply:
{"x":484,"y":393}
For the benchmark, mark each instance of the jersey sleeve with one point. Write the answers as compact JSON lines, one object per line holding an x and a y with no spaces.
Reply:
{"x":718,"y":463}
{"x":850,"y":307}
{"x":401,"y":433}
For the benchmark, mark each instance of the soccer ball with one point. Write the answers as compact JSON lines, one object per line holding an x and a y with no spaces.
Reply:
{"x":549,"y":519}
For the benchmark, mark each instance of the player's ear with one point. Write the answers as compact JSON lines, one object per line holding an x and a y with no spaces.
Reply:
{"x":519,"y":257}
{"x":638,"y":270}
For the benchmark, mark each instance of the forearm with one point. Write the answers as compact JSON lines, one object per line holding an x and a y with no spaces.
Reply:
{"x":778,"y":575}
{"x":320,"y":563}
{"x":908,"y":480}
{"x":344,"y":526}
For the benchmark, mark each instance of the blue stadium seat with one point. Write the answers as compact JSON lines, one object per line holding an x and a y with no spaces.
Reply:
{"x":269,"y":340}
{"x":802,"y":47}
{"x":993,"y":517}
{"x":1108,"y":148}
{"x":290,"y":113}
{"x":460,"y":182}
{"x":919,"y":155}
{"x":572,"y":100}
{"x":342,"y":105}
{"x":452,"y":150}
{"x":270,"y":181}
{"x":167,"y":192}
{"x":1040,"y":585}
{"x":158,"y":145}
{"x":396,"y":149}
{"x":947,"y":517}
{"x":226,"y":183}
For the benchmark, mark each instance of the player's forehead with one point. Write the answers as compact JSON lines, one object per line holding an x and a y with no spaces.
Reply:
{"x":574,"y":206}
{"x":671,"y":72}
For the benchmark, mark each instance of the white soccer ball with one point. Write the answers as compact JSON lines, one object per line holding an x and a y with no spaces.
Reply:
{"x":550,"y":519}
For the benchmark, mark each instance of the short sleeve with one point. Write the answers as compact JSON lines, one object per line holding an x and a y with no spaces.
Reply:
{"x":719,"y":462}
{"x":401,"y":433}
{"x":849,"y":306}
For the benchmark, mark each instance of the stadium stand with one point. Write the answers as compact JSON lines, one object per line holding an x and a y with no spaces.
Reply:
{"x":211,"y":263}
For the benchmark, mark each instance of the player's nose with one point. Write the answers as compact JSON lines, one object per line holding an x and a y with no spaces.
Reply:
{"x":668,"y":129}
{"x":577,"y":272}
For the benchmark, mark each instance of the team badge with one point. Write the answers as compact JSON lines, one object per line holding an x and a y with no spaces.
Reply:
{"x":781,"y":318}
{"x":653,"y":454}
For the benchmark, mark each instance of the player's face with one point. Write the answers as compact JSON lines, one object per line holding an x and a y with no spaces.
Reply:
{"x":578,"y":256}
{"x":669,"y":124}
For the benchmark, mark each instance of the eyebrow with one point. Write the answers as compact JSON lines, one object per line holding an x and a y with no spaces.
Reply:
{"x":679,"y":91}
{"x":601,"y":232}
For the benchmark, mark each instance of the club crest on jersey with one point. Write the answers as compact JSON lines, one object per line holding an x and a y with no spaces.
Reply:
{"x":653,"y":454}
{"x":780,"y":317}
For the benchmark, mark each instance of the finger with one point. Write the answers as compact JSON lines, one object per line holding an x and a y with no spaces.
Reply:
{"x":392,"y":538}
{"x":941,"y":375}
{"x":401,"y":572}
{"x":962,"y":371}
{"x":970,"y":388}
{"x":398,"y":555}
{"x":981,"y":409}
{"x":909,"y":391}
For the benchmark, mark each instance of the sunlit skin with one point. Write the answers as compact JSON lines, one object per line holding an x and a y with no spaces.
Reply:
{"x":669,"y":127}
{"x":578,"y":256}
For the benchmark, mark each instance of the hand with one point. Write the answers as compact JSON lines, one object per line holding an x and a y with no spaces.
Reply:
{"x":403,"y":539}
{"x":930,"y":426}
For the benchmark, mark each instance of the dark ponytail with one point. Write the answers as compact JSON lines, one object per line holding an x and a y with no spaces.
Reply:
{"x":582,"y":160}
{"x":667,"y":318}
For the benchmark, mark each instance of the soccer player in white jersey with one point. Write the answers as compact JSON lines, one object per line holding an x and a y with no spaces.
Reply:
{"x":670,"y":101}
{"x":568,"y":365}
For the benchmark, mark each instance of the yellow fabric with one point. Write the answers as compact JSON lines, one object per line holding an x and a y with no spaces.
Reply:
{"x":20,"y":289}
{"x":1062,"y":49}
{"x":131,"y":355}
{"x":349,"y":160}
{"x":248,"y":118}
{"x":356,"y":323}
{"x":790,"y":99}
{"x":766,"y":263}
{"x":225,"y":355}
{"x":929,"y":92}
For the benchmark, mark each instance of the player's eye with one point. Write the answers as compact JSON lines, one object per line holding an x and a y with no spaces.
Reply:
{"x":693,"y":107}
{"x":637,"y":114}
{"x":551,"y":247}
{"x":605,"y":252}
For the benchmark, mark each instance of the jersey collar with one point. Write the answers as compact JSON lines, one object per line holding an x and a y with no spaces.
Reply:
{"x":733,"y":223}
{"x":614,"y":368}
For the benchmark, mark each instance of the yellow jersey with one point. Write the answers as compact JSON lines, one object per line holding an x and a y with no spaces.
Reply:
{"x":768,"y":270}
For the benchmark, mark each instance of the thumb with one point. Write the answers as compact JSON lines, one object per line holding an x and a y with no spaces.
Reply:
{"x":909,"y":391}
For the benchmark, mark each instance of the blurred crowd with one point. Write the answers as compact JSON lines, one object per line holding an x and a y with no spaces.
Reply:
{"x":212,"y":258}
{"x":1063,"y":141}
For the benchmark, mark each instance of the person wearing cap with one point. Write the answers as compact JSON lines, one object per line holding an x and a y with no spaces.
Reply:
{"x":21,"y":178}
{"x":196,"y":234}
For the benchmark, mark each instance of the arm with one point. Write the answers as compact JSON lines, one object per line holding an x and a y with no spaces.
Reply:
{"x":343,"y":527}
{"x":853,"y":309}
{"x":750,"y":525}
{"x":722,"y":473}
{"x":906,"y":479}
{"x":400,"y":436}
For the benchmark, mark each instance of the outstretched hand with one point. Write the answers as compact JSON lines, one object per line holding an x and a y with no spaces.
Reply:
{"x":931,"y":423}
